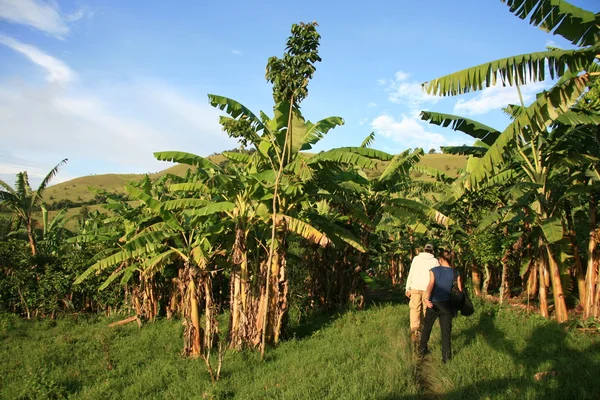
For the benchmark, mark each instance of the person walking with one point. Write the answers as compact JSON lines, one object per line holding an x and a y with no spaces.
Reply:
{"x":439,"y":305}
{"x":416,"y":285}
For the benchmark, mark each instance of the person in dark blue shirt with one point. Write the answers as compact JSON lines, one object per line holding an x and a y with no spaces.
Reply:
{"x":441,"y":280}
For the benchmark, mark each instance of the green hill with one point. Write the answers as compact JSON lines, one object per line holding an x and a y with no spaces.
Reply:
{"x":77,"y":190}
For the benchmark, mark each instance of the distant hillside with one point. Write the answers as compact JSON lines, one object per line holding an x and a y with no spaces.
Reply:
{"x":76,"y":190}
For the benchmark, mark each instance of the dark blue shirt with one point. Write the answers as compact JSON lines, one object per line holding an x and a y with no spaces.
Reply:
{"x":444,"y":279}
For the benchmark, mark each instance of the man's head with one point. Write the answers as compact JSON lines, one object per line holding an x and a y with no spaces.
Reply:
{"x":428,"y":248}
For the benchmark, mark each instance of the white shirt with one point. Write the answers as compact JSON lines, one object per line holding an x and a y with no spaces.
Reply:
{"x":418,"y":276}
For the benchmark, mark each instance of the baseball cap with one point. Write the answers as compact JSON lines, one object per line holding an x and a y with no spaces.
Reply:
{"x":428,"y":246}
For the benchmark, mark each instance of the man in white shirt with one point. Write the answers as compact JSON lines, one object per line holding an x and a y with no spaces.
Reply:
{"x":416,"y":286}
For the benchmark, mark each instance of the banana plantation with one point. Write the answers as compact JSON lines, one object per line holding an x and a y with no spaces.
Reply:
{"x":236,"y":249}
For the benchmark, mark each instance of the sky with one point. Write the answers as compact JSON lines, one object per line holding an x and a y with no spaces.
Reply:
{"x":107,"y":83}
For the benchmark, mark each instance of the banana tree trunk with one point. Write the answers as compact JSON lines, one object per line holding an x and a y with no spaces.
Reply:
{"x":192,"y":332}
{"x":578,"y":265}
{"x":543,"y":296}
{"x":591,"y":273}
{"x":31,"y":238}
{"x":504,"y":287}
{"x":486,"y":280}
{"x":560,"y":306}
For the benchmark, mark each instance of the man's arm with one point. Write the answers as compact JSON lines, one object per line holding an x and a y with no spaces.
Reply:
{"x":409,"y":280}
{"x":459,"y":282}
{"x":430,"y":289}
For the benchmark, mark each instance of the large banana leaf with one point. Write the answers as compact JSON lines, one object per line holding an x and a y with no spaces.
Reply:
{"x":342,"y":155}
{"x":154,"y":205}
{"x":401,"y":163}
{"x":520,"y":70}
{"x":418,"y":208}
{"x":186,"y":158}
{"x":465,"y":150}
{"x":239,"y":157}
{"x":188,"y":187}
{"x":553,"y":230}
{"x":235,"y":110}
{"x":580,"y":26}
{"x":336,"y":231}
{"x":118,"y":257}
{"x":180,"y":204}
{"x":537,"y":117}
{"x":368,"y":140}
{"x":211,"y":208}
{"x":303,"y":229}
{"x":574,"y":117}
{"x":368,"y":152}
{"x":471,"y":127}
{"x":315,"y":132}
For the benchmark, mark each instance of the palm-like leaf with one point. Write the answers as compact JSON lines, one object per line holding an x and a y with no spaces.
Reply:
{"x":465,"y":150}
{"x":315,"y":132}
{"x":186,"y":158}
{"x":471,"y":127}
{"x":368,"y":140}
{"x":520,"y":70}
{"x":303,"y":229}
{"x":42,"y":188}
{"x":580,"y":26}
{"x":537,"y":117}
{"x":418,"y":208}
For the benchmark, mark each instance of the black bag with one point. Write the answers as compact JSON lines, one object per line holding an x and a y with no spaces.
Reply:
{"x":467,"y":306}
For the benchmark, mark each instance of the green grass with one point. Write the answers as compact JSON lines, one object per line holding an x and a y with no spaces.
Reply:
{"x":353,"y":355}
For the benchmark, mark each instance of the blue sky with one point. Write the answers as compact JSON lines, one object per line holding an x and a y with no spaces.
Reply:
{"x":107,"y":83}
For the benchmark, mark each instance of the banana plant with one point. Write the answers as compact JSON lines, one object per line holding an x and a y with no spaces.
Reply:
{"x":23,"y":201}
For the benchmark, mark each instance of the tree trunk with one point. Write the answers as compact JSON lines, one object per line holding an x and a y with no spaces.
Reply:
{"x":394,"y":270}
{"x":578,"y":266}
{"x":591,"y":273}
{"x":560,"y":306}
{"x":532,"y":282}
{"x":504,"y":289}
{"x":486,"y":279}
{"x":476,"y":277}
{"x":31,"y":238}
{"x":542,"y":288}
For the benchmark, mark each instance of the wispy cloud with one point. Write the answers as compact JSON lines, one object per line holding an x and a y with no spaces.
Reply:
{"x":56,"y":70}
{"x":409,"y":93}
{"x":372,"y":104}
{"x":409,"y":132}
{"x":496,"y":97}
{"x":236,"y":52}
{"x":41,"y":15}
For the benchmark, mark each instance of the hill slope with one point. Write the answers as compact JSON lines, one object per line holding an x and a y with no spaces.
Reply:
{"x":77,"y":190}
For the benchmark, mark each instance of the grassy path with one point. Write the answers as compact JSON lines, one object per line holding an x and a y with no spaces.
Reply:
{"x":351,"y":355}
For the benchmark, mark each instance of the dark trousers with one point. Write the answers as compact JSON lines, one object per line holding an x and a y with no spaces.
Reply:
{"x":443,"y":310}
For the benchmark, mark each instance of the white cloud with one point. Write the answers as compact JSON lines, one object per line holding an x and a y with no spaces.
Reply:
{"x":363,"y":121}
{"x":381,"y":82}
{"x":408,"y":93}
{"x":401,"y":76}
{"x":44,"y":16}
{"x":236,"y":52}
{"x":371,"y":105}
{"x":551,"y":43}
{"x":496,"y":97}
{"x":56,"y":70}
{"x":409,"y":132}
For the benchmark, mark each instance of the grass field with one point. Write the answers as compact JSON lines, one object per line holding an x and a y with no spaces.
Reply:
{"x":353,"y":355}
